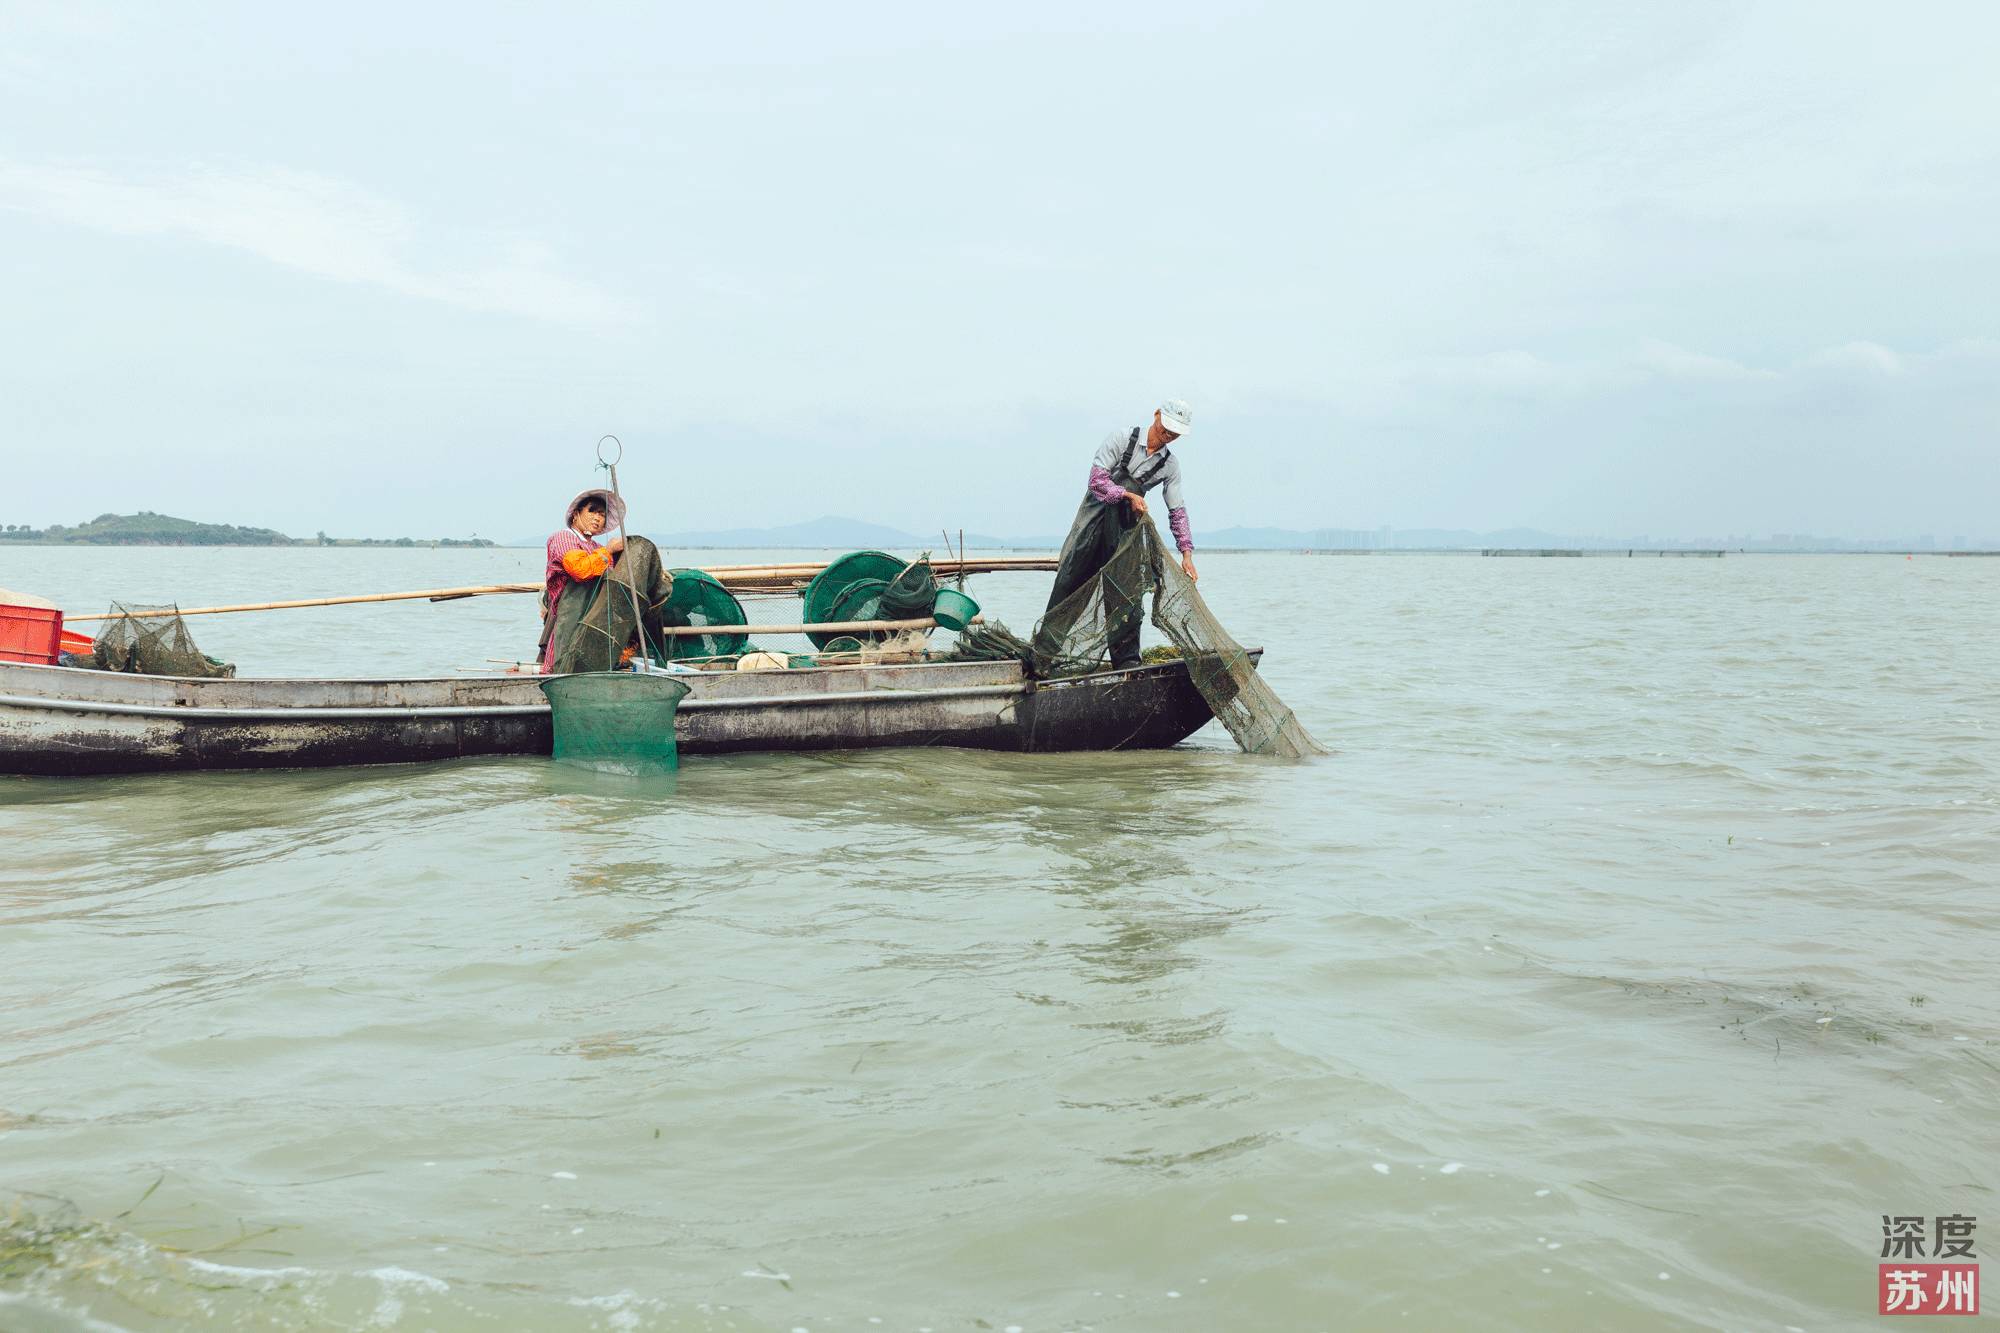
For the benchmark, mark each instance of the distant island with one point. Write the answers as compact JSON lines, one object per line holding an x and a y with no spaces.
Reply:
{"x":146,"y":528}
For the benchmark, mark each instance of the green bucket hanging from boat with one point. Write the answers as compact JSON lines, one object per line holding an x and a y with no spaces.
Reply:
{"x":619,"y":721}
{"x":953,"y":609}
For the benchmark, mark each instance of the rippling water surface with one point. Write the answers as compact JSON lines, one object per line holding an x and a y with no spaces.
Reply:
{"x":1630,"y":957}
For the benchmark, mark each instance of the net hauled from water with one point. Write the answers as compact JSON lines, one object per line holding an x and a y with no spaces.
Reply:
{"x":1076,"y":637}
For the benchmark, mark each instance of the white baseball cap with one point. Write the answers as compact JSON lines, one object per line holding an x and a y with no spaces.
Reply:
{"x":1176,"y":416}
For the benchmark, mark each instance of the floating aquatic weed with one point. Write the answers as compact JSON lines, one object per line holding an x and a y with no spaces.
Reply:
{"x":53,"y":1249}
{"x":30,"y":1243}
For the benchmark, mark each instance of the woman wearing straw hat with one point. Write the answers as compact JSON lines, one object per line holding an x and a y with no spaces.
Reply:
{"x":575,"y":556}
{"x":1128,"y":464}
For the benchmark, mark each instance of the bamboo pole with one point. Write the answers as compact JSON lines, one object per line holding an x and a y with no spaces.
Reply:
{"x":829,"y":627}
{"x":735,"y":578}
{"x":439,"y":593}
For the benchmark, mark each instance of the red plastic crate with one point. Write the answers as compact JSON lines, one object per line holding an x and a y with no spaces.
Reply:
{"x":30,"y":634}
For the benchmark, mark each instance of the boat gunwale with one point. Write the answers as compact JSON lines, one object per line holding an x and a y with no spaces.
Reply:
{"x":741,"y":688}
{"x":497,"y":677}
{"x":308,"y":713}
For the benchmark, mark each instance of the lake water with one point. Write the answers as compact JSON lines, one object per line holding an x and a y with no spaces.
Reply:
{"x":1631,"y":956}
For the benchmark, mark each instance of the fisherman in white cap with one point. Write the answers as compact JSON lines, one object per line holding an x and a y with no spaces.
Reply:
{"x":1127,"y":466}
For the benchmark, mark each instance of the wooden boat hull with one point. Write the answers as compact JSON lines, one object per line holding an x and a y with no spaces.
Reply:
{"x":57,"y":721}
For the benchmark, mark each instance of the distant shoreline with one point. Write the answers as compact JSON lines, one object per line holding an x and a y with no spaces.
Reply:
{"x":294,"y":544}
{"x":147,"y":528}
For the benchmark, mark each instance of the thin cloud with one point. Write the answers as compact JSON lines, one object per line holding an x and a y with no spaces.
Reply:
{"x":1670,"y":361}
{"x":320,"y":225}
{"x":1857,"y":357}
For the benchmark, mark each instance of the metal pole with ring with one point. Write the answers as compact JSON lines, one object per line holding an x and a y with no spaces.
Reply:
{"x":611,"y":465}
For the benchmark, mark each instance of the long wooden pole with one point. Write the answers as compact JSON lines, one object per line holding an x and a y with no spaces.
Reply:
{"x":440,"y":593}
{"x":736,"y":578}
{"x":830,"y":627}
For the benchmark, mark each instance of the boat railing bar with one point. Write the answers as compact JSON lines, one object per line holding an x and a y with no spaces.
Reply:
{"x":826,"y":627}
{"x":736,"y":578}
{"x":311,"y":714}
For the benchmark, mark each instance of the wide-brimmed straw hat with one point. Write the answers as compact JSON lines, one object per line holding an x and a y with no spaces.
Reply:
{"x":614,"y":508}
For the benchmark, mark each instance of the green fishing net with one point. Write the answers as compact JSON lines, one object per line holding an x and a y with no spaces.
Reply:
{"x":830,"y":585}
{"x":911,"y":594}
{"x":1076,"y":637}
{"x":596,"y":620}
{"x":152,"y":641}
{"x":699,"y":599}
{"x":990,"y":641}
{"x":868,"y":585}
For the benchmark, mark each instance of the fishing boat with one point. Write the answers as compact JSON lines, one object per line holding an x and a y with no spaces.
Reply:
{"x":64,"y":721}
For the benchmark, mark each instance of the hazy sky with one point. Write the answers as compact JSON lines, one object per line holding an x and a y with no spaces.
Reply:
{"x":1694,"y":268}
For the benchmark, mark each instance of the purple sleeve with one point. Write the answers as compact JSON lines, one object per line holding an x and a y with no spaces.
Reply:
{"x":1183,"y":535}
{"x":1103,"y":488}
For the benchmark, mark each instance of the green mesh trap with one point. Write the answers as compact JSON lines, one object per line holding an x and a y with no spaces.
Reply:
{"x":698,"y":599}
{"x":830,"y":587}
{"x":618,"y":721}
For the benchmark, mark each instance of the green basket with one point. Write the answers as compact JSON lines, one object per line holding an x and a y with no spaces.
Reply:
{"x":620,"y":721}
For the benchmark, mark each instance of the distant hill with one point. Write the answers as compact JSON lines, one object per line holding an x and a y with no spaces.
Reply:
{"x":146,"y":528}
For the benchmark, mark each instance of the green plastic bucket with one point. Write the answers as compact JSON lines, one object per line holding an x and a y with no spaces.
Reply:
{"x":621,"y":721}
{"x":953,"y":609}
